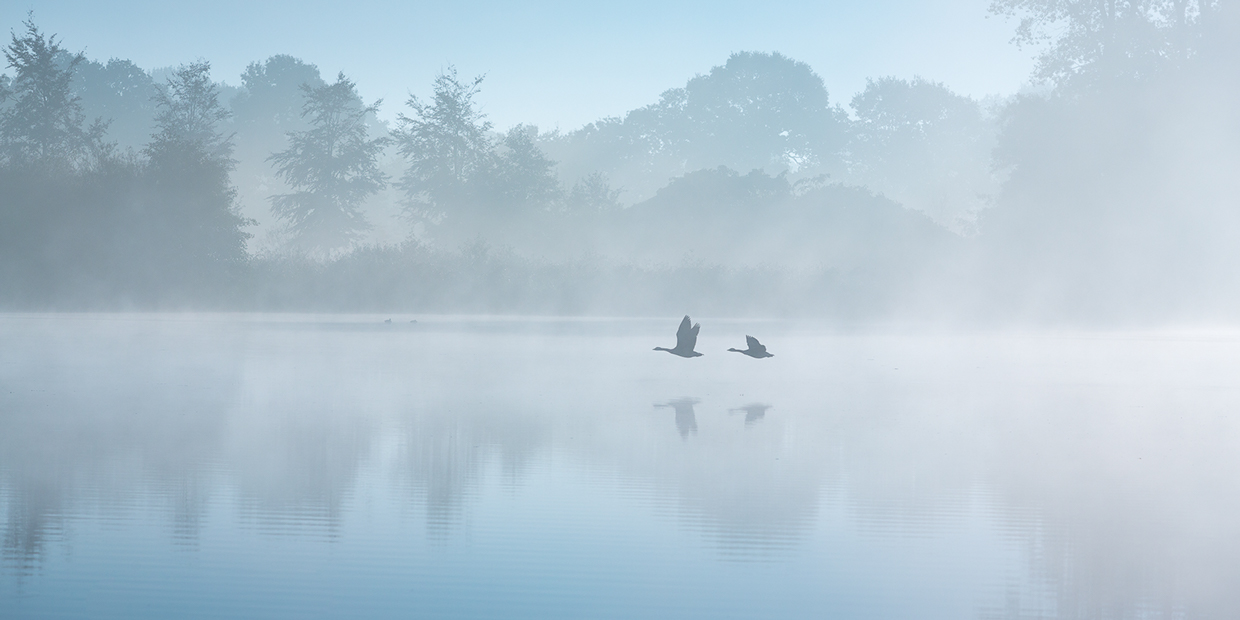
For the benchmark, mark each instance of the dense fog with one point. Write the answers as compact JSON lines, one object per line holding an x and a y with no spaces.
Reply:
{"x":1105,"y":191}
{"x":272,"y":347}
{"x":1035,"y":475}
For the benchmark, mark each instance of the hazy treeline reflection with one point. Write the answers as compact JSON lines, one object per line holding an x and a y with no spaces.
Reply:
{"x":1108,"y":475}
{"x":1104,"y":191}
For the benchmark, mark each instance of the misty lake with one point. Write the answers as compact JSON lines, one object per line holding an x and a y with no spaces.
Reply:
{"x":325,"y":466}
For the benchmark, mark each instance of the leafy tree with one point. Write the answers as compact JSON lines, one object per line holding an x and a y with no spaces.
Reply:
{"x":925,"y":147}
{"x":267,"y":108}
{"x":593,"y":193}
{"x":447,"y":146}
{"x":757,"y":111}
{"x":523,"y":177}
{"x":188,"y":120}
{"x":121,"y":93}
{"x":43,"y":125}
{"x":270,"y":104}
{"x":1121,"y":192}
{"x":1088,"y":40}
{"x":721,"y":193}
{"x":198,"y":231}
{"x":332,"y":168}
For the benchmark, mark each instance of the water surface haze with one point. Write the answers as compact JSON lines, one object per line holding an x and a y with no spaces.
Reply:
{"x":213,"y":465}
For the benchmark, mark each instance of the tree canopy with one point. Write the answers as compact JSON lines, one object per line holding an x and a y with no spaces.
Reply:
{"x":756,"y":111}
{"x":190,"y":160}
{"x":44,"y":125}
{"x":1087,"y":40}
{"x":447,"y":145}
{"x":924,"y":146}
{"x":332,"y":168}
{"x":271,"y":101}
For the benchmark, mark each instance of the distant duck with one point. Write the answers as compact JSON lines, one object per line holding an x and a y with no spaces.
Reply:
{"x":756,"y":349}
{"x":388,"y":321}
{"x":686,"y":339}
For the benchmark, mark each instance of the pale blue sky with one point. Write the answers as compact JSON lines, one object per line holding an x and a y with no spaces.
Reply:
{"x":550,"y":63}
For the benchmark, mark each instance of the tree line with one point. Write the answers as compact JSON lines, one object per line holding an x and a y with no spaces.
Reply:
{"x":118,"y":183}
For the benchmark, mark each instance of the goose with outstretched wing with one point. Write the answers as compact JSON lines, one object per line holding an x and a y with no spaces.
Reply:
{"x":686,"y":339}
{"x":756,"y":349}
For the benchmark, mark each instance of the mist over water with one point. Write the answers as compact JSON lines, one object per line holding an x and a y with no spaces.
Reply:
{"x":272,"y":348}
{"x":314,"y":465}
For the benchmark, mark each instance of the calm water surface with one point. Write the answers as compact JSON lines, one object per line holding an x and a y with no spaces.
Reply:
{"x":158,"y":466}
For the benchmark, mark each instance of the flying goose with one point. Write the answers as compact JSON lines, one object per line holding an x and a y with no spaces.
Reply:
{"x":686,"y":339}
{"x":756,"y":349}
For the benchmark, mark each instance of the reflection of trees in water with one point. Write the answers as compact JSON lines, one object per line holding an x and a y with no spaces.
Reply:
{"x":733,"y":489}
{"x":442,"y":460}
{"x":744,"y":489}
{"x":188,"y":498}
{"x":444,"y":454}
{"x":1118,"y":498}
{"x":172,"y":414}
{"x":295,"y":468}
{"x":34,"y":516}
{"x":1118,"y":511}
{"x":755,"y":510}
{"x":293,"y":471}
{"x":751,"y":522}
{"x":750,"y":491}
{"x":102,"y":417}
{"x":1133,"y":509}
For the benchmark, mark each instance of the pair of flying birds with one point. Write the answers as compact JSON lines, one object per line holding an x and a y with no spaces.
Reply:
{"x":686,"y":339}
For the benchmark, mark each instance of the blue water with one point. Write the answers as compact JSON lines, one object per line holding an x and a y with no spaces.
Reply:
{"x":157,"y":466}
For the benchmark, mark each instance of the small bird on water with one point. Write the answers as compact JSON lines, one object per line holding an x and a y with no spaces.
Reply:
{"x":756,"y":349}
{"x":686,"y":339}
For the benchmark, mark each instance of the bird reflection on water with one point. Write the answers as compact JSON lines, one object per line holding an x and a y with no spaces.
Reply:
{"x":309,"y":444}
{"x":686,"y":421}
{"x":753,"y":412}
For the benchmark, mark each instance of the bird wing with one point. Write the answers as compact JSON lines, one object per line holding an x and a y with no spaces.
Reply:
{"x":693,"y":335}
{"x":685,"y":336}
{"x":754,"y":345}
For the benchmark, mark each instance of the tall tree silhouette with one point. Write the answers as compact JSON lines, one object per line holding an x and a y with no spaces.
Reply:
{"x":332,"y":168}
{"x":198,"y":233}
{"x":43,"y":126}
{"x":447,"y":146}
{"x":593,"y":193}
{"x":925,"y":147}
{"x":122,"y":94}
{"x":1090,"y":40}
{"x":271,"y":103}
{"x":522,"y":177}
{"x":57,"y":190}
{"x":1121,"y":192}
{"x":757,"y":110}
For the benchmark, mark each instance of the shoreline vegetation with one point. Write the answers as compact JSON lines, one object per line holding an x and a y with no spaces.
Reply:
{"x":1103,"y":194}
